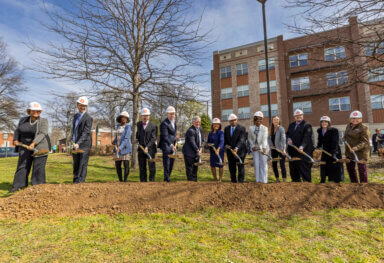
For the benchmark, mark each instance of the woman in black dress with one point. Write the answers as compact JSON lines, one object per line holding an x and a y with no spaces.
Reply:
{"x":328,"y":140}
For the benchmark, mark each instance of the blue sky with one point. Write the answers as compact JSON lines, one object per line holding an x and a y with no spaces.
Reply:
{"x":234,"y":23}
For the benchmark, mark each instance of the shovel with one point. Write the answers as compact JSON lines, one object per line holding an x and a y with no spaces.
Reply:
{"x":34,"y":150}
{"x":150,"y":159}
{"x":306,"y":155}
{"x":234,"y":154}
{"x":217,"y":154}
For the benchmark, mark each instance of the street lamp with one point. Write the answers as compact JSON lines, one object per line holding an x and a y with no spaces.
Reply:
{"x":266,"y":61}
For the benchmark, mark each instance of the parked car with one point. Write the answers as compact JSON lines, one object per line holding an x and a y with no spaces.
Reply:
{"x":8,"y":152}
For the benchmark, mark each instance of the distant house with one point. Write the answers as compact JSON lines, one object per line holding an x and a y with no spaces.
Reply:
{"x":6,"y":138}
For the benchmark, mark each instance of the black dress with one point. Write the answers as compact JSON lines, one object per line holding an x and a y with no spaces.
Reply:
{"x":330,"y":143}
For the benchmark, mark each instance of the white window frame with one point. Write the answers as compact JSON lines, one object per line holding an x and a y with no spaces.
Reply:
{"x":226,"y":93}
{"x":243,"y":91}
{"x":376,"y":74}
{"x":337,"y":102}
{"x":244,"y":113}
{"x":302,"y":83}
{"x":301,"y":60}
{"x":379,"y":98}
{"x":334,"y":53}
{"x":274,"y":110}
{"x":338,"y":76}
{"x":224,"y":70}
{"x":376,"y":48}
{"x":300,"y":105}
{"x":263,"y":86}
{"x":262,"y":66}
{"x":225,"y":114}
{"x":242,"y":69}
{"x":5,"y":136}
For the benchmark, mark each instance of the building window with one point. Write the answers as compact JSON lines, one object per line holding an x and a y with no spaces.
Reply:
{"x":225,"y":72}
{"x":337,"y":78}
{"x":377,"y":101}
{"x":244,"y":113}
{"x":340,"y":104}
{"x":271,"y":64}
{"x":264,"y":109}
{"x":225,"y":114}
{"x":226,"y":93}
{"x":242,"y":91}
{"x":300,"y":83}
{"x":242,"y":69}
{"x":305,"y":106}
{"x":334,"y":53}
{"x":374,"y":49}
{"x":5,"y":136}
{"x":376,"y":74}
{"x":298,"y":60}
{"x":263,"y":86}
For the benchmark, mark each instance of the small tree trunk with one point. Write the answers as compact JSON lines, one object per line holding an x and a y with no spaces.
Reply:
{"x":135,"y":119}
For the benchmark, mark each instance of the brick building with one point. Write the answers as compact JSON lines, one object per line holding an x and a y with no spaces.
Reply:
{"x":6,"y":138}
{"x":306,"y":72}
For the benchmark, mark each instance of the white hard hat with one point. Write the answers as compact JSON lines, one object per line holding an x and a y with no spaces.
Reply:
{"x":325,"y":118}
{"x":232,"y":117}
{"x":298,"y":112}
{"x":83,"y":100}
{"x":34,"y":106}
{"x":123,"y":114}
{"x":356,"y":115}
{"x":170,"y":109}
{"x":258,"y":114}
{"x":145,"y":111}
{"x":216,"y":121}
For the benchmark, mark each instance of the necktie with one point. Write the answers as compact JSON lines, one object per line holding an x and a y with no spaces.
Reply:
{"x":232,"y":129}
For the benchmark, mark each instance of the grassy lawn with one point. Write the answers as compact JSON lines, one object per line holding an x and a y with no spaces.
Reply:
{"x":207,"y":236}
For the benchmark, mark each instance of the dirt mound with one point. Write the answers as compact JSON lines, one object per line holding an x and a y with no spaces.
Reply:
{"x":113,"y":198}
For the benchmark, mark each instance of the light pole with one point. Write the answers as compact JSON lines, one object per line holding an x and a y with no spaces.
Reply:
{"x":266,"y":60}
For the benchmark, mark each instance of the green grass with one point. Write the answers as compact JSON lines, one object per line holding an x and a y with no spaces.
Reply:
{"x":210,"y":235}
{"x":207,"y":236}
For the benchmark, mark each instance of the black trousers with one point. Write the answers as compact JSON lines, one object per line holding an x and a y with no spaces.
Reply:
{"x":24,"y":165}
{"x":143,"y":168}
{"x":334,"y":171}
{"x":119,"y":171}
{"x":232,"y":163}
{"x":276,"y":154}
{"x":168,"y":166}
{"x":300,"y":170}
{"x":80,"y":165}
{"x":191,"y":168}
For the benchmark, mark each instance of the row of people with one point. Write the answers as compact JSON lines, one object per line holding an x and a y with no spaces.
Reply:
{"x":31,"y":135}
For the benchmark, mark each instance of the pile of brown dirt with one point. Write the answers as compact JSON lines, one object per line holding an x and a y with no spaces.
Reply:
{"x":113,"y":198}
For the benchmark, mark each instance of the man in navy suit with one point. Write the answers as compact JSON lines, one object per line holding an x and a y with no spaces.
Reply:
{"x":167,"y":144}
{"x":81,"y":139}
{"x":192,"y":147}
{"x":235,"y":138}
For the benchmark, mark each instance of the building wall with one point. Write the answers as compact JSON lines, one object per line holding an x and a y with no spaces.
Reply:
{"x":6,"y":137}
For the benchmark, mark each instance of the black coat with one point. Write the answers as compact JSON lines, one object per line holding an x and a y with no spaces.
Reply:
{"x":302,"y":136}
{"x":147,"y":137}
{"x":167,"y":135}
{"x":238,"y":140}
{"x":329,"y":142}
{"x":191,"y":146}
{"x":83,"y":131}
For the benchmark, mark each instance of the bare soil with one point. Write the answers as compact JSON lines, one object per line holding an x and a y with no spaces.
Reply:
{"x":180,"y":197}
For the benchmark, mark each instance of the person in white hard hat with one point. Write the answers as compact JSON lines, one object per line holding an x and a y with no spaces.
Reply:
{"x":81,"y":139}
{"x":123,"y":145}
{"x":146,"y":136}
{"x":168,"y":138}
{"x":258,"y":142}
{"x":300,"y":134}
{"x":357,"y":136}
{"x":31,"y":131}
{"x":235,"y":139}
{"x":278,"y":143}
{"x":328,"y":140}
{"x":216,"y":139}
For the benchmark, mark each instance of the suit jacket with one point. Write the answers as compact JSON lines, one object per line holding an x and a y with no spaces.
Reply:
{"x":41,"y":140}
{"x":191,"y":146}
{"x":238,"y":140}
{"x":147,"y":137}
{"x":280,"y":139}
{"x":302,"y":136}
{"x":167,"y":135}
{"x":83,"y":131}
{"x":329,"y":142}
{"x":262,"y":137}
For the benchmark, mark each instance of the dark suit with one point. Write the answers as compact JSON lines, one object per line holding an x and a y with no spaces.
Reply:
{"x":300,"y":136}
{"x":330,"y":143}
{"x":147,"y":138}
{"x":167,"y":139}
{"x":84,"y":139}
{"x":237,"y":140}
{"x":191,"y":148}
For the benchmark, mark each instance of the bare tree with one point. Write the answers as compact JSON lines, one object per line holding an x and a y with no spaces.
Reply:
{"x":61,"y":110}
{"x":11,"y":85}
{"x":125,"y":47}
{"x":365,"y":48}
